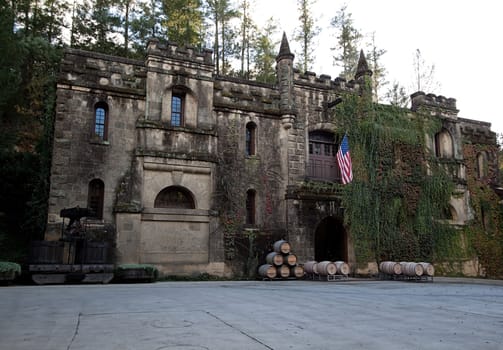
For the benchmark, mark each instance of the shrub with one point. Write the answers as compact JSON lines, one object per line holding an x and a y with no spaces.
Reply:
{"x":9,"y":270}
{"x":136,"y":273}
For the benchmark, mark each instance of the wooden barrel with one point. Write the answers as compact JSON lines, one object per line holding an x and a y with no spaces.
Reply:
{"x":296,"y":271}
{"x":47,"y":252}
{"x":267,"y":270}
{"x":274,"y":258}
{"x":326,"y":268}
{"x":428,"y":268}
{"x":390,"y":267}
{"x":283,"y":271}
{"x":282,"y":247}
{"x":342,"y":268}
{"x":95,"y":252}
{"x":311,"y":267}
{"x":290,"y":259}
{"x":412,"y":269}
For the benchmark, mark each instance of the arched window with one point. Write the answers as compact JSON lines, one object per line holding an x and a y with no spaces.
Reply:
{"x":481,"y":165}
{"x":443,"y":144}
{"x":449,"y":213}
{"x":95,"y":197}
{"x":250,"y":138}
{"x":250,"y":207}
{"x":101,"y":121}
{"x":177,"y":108}
{"x":175,"y":197}
{"x":322,"y":164}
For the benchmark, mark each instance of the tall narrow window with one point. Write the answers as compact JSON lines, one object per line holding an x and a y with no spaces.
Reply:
{"x":100,"y":121}
{"x":444,"y":147}
{"x":250,"y":139}
{"x":95,"y":196}
{"x":250,"y":207}
{"x":482,"y":165}
{"x":177,"y":110}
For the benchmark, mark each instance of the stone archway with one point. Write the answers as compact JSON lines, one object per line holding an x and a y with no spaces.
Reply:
{"x":330,"y":240}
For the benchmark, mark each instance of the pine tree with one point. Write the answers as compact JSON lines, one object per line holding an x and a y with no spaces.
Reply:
{"x":265,"y":58}
{"x":27,"y":75}
{"x":348,"y":38}
{"x":145,"y":24}
{"x":183,"y":21}
{"x":247,"y":34}
{"x":374,"y":58}
{"x":397,"y":96}
{"x":220,"y":12}
{"x":95,"y":26}
{"x":306,"y":34}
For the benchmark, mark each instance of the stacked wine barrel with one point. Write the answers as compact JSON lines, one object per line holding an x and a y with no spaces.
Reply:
{"x":404,"y":270}
{"x":281,"y":263}
{"x":326,"y":270}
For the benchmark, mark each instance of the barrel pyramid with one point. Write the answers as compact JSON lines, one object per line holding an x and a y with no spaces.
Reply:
{"x":281,"y":263}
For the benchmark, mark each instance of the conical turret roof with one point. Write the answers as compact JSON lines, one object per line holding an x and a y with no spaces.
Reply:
{"x":363,"y":67}
{"x":284,"y":50}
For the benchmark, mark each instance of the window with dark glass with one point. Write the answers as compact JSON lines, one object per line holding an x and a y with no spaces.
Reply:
{"x":322,"y":162}
{"x":250,"y":139}
{"x":177,"y":110}
{"x":95,"y":197}
{"x":100,"y":121}
{"x":250,"y":207}
{"x":175,"y":197}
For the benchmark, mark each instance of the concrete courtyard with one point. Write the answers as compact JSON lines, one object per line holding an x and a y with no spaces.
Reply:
{"x":353,"y":314}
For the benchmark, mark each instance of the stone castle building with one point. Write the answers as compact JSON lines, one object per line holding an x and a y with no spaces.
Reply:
{"x":189,"y":167}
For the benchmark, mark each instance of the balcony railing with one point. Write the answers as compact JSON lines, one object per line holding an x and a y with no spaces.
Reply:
{"x":323,"y":170}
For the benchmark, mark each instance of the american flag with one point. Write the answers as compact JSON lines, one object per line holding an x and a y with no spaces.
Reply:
{"x":344,"y":160}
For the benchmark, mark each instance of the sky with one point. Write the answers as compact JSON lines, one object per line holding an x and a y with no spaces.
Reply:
{"x":461,"y":38}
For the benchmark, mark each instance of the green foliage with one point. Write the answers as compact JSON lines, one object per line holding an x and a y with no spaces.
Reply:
{"x":192,"y":278}
{"x":28,"y":75}
{"x":10,"y":267}
{"x":18,"y":172}
{"x":137,"y":272}
{"x":146,"y":267}
{"x":305,"y":34}
{"x":484,"y":234}
{"x":265,"y":58}
{"x":347,"y":39}
{"x":94,"y":25}
{"x":184,"y":21}
{"x":393,"y":206}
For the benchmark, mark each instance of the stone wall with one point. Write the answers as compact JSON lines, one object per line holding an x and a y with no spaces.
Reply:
{"x":78,"y":156}
{"x":144,"y":153}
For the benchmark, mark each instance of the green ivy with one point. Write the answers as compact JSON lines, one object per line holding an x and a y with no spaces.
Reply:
{"x":394,"y":205}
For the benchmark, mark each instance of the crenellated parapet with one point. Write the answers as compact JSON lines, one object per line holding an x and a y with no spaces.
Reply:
{"x":245,"y":95}
{"x":91,"y":70}
{"x":434,"y":105}
{"x":476,"y":131}
{"x":324,"y":82}
{"x":184,"y":53}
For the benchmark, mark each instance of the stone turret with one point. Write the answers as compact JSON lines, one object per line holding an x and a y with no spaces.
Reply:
{"x":363,"y":75}
{"x":285,"y":74}
{"x":362,"y":69}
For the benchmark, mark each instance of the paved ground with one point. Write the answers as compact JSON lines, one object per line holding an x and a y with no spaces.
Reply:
{"x":445,"y":314}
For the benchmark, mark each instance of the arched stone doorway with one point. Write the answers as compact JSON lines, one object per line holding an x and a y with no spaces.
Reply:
{"x":330,"y":240}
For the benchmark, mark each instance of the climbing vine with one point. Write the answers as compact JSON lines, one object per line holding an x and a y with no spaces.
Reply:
{"x":396,"y":201}
{"x":484,"y":232}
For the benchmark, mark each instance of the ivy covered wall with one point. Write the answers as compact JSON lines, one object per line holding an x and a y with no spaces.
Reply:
{"x":398,"y":205}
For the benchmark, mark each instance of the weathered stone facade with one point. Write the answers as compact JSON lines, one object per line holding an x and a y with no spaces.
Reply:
{"x":232,"y":172}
